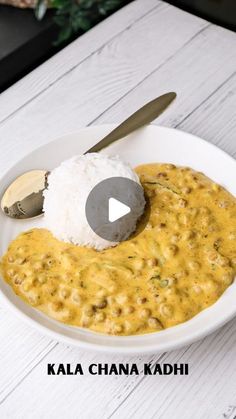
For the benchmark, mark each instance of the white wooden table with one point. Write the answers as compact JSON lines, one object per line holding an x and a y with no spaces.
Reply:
{"x":144,"y":50}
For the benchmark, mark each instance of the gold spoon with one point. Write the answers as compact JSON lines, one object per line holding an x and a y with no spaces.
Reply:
{"x":23,"y":199}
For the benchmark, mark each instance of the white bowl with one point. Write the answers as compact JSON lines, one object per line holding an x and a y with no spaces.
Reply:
{"x":150,"y":144}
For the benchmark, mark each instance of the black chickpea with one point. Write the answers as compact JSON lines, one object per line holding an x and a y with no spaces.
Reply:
{"x":141,"y":300}
{"x":88,"y":310}
{"x":145,"y":313}
{"x":129,"y":310}
{"x":100,"y":303}
{"x":116,"y":312}
{"x":154,"y":323}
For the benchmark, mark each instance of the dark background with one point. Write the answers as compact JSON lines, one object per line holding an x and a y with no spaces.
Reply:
{"x":221,"y":12}
{"x":25,"y":43}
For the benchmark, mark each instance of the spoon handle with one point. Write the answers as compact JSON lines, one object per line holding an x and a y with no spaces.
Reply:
{"x":142,"y":117}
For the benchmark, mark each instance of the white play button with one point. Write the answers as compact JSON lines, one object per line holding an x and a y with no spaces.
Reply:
{"x":116,"y":209}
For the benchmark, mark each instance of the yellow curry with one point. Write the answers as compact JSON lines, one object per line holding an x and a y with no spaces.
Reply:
{"x":179,"y":263}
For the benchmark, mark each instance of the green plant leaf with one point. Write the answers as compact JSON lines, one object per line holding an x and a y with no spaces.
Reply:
{"x":57,"y":3}
{"x":81,"y":23}
{"x":74,"y":16}
{"x":108,"y":5}
{"x":64,"y":35}
{"x":87,"y":4}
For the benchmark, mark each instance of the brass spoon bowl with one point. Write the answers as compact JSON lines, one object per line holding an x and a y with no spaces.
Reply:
{"x":23,"y":199}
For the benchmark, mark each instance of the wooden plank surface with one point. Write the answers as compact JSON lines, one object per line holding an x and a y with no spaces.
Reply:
{"x":137,"y":54}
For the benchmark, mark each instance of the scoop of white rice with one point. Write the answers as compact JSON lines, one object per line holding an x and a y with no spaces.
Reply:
{"x":68,"y":188}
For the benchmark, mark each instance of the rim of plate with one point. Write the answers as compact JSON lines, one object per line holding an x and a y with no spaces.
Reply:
{"x":166,"y":340}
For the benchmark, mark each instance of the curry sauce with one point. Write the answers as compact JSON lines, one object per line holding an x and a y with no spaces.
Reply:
{"x":179,"y":263}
